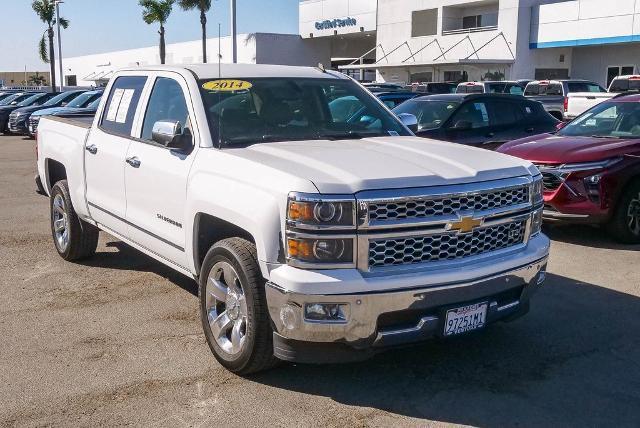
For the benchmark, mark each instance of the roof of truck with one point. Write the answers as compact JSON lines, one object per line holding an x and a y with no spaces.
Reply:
{"x":215,"y":71}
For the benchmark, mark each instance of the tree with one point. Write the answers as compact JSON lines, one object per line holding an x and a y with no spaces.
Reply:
{"x":37,"y":79}
{"x":203,"y":6}
{"x":46,"y":11}
{"x":157,"y":11}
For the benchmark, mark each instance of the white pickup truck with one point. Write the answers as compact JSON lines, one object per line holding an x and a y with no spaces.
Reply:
{"x":316,"y":234}
{"x":579,"y":102}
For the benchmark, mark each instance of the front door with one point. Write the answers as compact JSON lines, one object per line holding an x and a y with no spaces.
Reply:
{"x":156,"y":177}
{"x":106,"y":150}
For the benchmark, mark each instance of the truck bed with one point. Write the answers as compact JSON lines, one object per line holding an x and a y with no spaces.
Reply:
{"x":82,"y":120}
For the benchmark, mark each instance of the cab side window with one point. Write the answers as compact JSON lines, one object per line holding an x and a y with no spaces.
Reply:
{"x":167,"y":103}
{"x":474,"y":114}
{"x":117,"y":117}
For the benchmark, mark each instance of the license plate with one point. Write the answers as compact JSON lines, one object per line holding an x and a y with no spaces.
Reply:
{"x":464,"y":319}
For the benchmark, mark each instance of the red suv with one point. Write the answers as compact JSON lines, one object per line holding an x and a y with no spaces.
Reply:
{"x":591,"y":167}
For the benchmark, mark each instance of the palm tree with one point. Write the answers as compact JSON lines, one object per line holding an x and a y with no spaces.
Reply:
{"x":203,"y":6}
{"x":45,"y":9}
{"x":157,"y":11}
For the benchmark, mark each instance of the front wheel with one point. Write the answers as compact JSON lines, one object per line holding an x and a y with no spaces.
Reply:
{"x":233,"y":307}
{"x":625,"y":224}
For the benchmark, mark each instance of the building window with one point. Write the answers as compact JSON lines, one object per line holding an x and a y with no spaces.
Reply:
{"x":551,"y":73}
{"x":72,"y":80}
{"x":455,"y":76}
{"x":615,"y":71}
{"x":474,"y":21}
{"x":424,"y":22}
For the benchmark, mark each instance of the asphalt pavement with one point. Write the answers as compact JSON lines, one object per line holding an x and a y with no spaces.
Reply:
{"x":116,"y":340}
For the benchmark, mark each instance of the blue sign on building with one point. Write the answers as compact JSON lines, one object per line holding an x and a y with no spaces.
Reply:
{"x":336,"y":23}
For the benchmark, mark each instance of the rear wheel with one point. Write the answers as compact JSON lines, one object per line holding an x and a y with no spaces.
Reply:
{"x":233,"y":307}
{"x":625,"y":224}
{"x":74,"y":239}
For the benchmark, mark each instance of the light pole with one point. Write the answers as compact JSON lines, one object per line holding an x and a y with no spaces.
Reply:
{"x":234,"y":42}
{"x":57,"y":2}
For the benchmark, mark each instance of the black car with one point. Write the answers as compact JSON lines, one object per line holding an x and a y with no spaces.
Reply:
{"x":483,"y":120}
{"x":433,"y":88}
{"x":19,"y":118}
{"x":82,"y":105}
{"x":394,"y":99}
{"x":22,"y":100}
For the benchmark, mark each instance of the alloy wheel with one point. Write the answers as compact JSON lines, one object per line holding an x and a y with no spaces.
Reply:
{"x":226,"y":308}
{"x":60,"y":223}
{"x":633,"y":215}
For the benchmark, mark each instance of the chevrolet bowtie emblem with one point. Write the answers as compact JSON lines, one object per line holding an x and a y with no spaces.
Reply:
{"x":465,"y":225}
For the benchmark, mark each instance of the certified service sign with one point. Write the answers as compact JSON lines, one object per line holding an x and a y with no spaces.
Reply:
{"x":336,"y":23}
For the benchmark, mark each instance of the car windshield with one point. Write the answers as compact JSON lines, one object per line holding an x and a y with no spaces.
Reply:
{"x":95,"y":103}
{"x":9,"y":99}
{"x":584,"y":87}
{"x":35,"y":99}
{"x":430,"y":114}
{"x":606,"y":120}
{"x":249,"y":111}
{"x":60,"y":98}
{"x":81,"y":100}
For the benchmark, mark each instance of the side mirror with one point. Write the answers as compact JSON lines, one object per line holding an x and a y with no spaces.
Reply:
{"x":561,"y":125}
{"x":13,"y":103}
{"x":63,"y":104}
{"x":462,"y":125}
{"x":409,"y":120}
{"x":169,"y":133}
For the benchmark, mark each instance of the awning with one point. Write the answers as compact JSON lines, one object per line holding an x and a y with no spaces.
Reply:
{"x":470,"y":61}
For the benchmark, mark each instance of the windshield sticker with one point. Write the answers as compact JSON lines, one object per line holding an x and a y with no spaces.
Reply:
{"x":227,"y":85}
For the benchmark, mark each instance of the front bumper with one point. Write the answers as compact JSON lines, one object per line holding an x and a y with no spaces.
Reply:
{"x":382,"y":319}
{"x":18,"y":125}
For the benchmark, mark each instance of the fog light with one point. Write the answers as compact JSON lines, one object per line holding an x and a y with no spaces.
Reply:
{"x":325,"y":312}
{"x":288,"y":317}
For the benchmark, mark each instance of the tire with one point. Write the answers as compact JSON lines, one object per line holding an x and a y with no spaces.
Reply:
{"x":625,"y":223}
{"x":231,"y":283}
{"x":78,"y":239}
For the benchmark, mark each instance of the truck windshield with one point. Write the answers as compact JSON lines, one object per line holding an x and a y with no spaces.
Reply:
{"x":249,"y":111}
{"x":430,"y":114}
{"x":606,"y":120}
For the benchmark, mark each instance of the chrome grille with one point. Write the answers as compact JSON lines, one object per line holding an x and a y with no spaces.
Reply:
{"x":421,"y":207}
{"x":444,"y":246}
{"x":33,"y":123}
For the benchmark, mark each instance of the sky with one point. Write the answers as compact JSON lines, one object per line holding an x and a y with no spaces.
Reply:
{"x":106,"y":25}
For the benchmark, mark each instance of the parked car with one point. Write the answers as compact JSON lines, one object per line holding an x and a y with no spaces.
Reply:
{"x":5,"y":94}
{"x":294,"y":223}
{"x":482,"y":120}
{"x":19,"y":118}
{"x":501,"y":87}
{"x":553,"y":94}
{"x":84,"y":104}
{"x":394,"y":99}
{"x":625,"y":84}
{"x":591,"y":168}
{"x":15,"y":98}
{"x":433,"y":88}
{"x":21,"y":100}
{"x":383,"y":87}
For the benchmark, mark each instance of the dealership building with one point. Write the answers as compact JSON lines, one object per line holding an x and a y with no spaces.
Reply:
{"x":426,"y":40}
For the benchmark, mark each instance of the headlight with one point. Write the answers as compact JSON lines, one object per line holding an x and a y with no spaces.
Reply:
{"x":536,"y":190}
{"x":536,"y":222}
{"x":320,"y":252}
{"x":587,"y":166}
{"x":314,"y":212}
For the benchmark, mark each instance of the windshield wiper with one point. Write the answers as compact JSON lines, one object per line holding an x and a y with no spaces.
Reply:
{"x":605,"y":136}
{"x":350,"y":135}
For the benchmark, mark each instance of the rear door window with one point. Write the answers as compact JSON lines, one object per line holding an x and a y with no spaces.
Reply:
{"x":121,"y":106}
{"x":504,"y":113}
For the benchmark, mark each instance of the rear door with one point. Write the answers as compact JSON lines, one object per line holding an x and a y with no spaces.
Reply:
{"x":507,"y":122}
{"x":106,"y":150}
{"x":156,"y":178}
{"x":470,"y":124}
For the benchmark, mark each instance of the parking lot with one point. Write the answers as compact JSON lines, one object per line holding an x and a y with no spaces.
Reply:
{"x":117,"y":340}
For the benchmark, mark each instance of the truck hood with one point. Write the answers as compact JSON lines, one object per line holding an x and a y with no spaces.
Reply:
{"x":349,"y":166}
{"x":549,"y":148}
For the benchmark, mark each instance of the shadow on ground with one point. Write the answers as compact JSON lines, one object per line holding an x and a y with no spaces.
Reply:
{"x":573,"y":360}
{"x":585,"y":235}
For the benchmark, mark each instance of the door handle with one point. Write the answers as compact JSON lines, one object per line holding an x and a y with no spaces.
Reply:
{"x":134,"y":161}
{"x":92,"y":149}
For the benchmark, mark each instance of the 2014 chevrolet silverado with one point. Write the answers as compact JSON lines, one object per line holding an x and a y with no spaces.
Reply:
{"x":313,"y":239}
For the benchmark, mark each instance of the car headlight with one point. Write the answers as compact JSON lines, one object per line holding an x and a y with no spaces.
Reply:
{"x":306,"y":211}
{"x":588,"y":166}
{"x":536,"y":222}
{"x":321,"y":231}
{"x":537,"y":191}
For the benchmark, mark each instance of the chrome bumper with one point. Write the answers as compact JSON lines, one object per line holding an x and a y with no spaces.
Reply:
{"x":361,"y":329}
